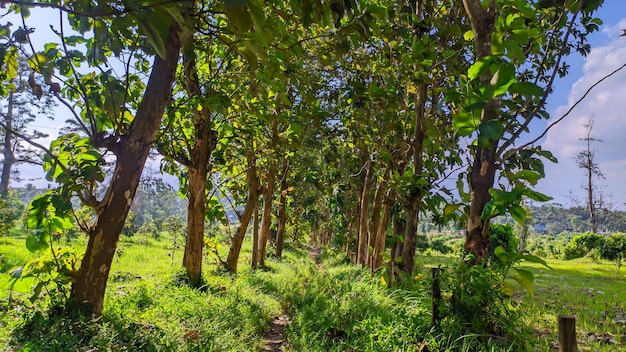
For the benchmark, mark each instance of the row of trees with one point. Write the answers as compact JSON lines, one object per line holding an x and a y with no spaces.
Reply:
{"x":382,"y":100}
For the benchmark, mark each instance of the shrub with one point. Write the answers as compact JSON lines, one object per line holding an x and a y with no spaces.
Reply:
{"x":11,"y":209}
{"x":439,"y":245}
{"x":581,"y":245}
{"x":614,"y":249}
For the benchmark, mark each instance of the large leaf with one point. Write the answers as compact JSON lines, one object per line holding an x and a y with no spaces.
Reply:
{"x":479,"y":67}
{"x":534,"y":195}
{"x":526,"y":279}
{"x":518,"y":213}
{"x":489,"y":130}
{"x":526,"y":89}
{"x":535,"y":259}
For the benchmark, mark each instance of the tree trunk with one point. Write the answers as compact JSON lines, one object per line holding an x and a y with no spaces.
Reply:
{"x":376,"y":216}
{"x":415,"y":198}
{"x":266,"y":220}
{"x":268,"y":195}
{"x":196,"y":209}
{"x":251,"y":205}
{"x":282,"y":210}
{"x":255,"y":238}
{"x":399,"y":228}
{"x":483,"y":169}
{"x":361,"y":254}
{"x":90,"y":286}
{"x":381,"y":236}
{"x":200,"y":157}
{"x":9,"y":157}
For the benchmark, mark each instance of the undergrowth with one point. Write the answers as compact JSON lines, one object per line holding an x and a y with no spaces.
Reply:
{"x":333,"y":306}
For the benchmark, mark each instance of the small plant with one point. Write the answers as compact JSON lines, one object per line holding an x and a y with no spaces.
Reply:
{"x":523,"y":277}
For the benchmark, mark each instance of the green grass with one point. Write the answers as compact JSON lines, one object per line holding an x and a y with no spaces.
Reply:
{"x":333,"y":307}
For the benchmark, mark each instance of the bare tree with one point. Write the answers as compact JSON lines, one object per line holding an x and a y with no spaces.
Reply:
{"x":586,"y":160}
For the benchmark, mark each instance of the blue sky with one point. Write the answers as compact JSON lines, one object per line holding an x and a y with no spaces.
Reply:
{"x":607,"y":103}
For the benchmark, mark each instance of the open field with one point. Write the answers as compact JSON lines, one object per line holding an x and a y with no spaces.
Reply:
{"x":332,"y":307}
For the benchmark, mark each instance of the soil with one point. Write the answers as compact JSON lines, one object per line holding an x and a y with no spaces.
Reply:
{"x":275,"y":336}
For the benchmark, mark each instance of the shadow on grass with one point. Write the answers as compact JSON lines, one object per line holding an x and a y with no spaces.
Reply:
{"x":69,"y":328}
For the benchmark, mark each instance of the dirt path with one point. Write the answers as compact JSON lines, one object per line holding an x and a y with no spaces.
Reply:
{"x":315,"y":252}
{"x":275,"y":336}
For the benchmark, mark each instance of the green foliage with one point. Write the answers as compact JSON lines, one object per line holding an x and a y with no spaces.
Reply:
{"x":614,"y":249}
{"x":51,"y":273}
{"x":439,"y":244}
{"x":502,"y":236}
{"x":583,"y":244}
{"x":478,"y":305}
{"x":11,"y":209}
{"x":421,"y":243}
{"x":524,"y":277}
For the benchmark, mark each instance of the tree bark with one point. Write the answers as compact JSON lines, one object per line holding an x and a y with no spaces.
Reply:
{"x":282,"y":210}
{"x":361,"y":254}
{"x":255,"y":239}
{"x":266,"y":220}
{"x":484,"y":166}
{"x":379,"y":197}
{"x":415,"y":198}
{"x":381,"y":236}
{"x":199,"y":168}
{"x":268,"y":195}
{"x":9,"y":156}
{"x":90,"y":286}
{"x":251,"y":205}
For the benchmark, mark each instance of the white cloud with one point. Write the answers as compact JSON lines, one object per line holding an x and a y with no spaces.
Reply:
{"x":607,"y":102}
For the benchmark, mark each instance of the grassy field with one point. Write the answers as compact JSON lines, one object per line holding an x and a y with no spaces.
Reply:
{"x":332,"y":306}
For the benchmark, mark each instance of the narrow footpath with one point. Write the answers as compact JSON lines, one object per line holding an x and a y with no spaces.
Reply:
{"x":275,"y":336}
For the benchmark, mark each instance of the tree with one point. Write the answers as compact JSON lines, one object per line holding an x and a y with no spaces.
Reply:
{"x":118,"y":117}
{"x":519,"y":48}
{"x":586,"y":160}
{"x":614,"y":249}
{"x":23,"y":105}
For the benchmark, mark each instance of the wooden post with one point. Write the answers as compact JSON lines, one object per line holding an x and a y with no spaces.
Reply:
{"x":436,"y":295}
{"x":567,"y":334}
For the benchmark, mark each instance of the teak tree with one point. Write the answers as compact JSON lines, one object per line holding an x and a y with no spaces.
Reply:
{"x":519,"y":48}
{"x":117,"y":116}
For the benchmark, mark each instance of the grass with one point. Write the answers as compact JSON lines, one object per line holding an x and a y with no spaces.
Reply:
{"x":333,"y":306}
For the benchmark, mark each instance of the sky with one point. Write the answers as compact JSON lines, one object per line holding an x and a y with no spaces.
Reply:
{"x":607,"y":103}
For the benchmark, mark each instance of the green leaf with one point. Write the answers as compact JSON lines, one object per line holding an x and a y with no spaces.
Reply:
{"x":469,"y":35}
{"x":153,"y":35}
{"x":504,"y":256}
{"x":256,"y":10}
{"x":490,"y":210}
{"x":526,"y":279}
{"x":479,"y":67}
{"x":526,"y":89}
{"x":535,"y":259}
{"x":238,"y":16}
{"x":518,"y":213}
{"x":534,"y":195}
{"x":497,"y":44}
{"x":529,"y":175}
{"x":450,"y":208}
{"x":464,"y":123}
{"x":489,"y":130}
{"x":32,"y":244}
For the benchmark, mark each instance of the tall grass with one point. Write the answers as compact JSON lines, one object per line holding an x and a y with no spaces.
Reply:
{"x":333,"y":306}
